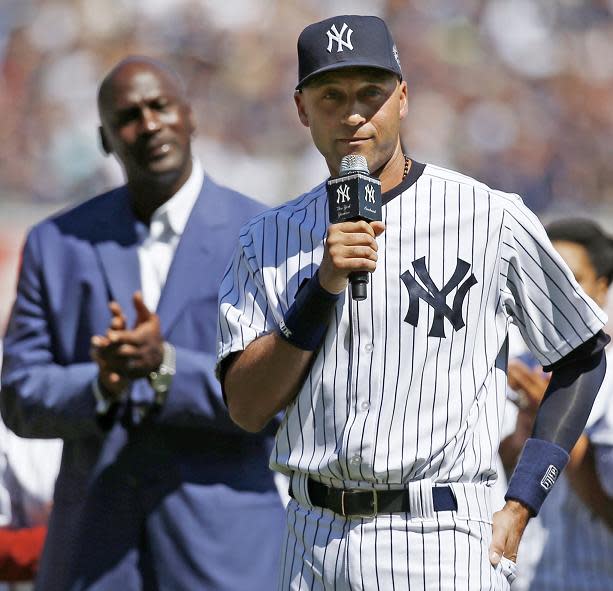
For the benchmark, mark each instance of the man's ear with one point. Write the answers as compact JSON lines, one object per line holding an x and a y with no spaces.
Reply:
{"x":104,"y":143}
{"x":404,"y":102}
{"x":302,"y":115}
{"x":191,"y":118}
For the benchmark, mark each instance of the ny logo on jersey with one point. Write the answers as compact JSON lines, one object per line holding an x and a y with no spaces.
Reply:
{"x":437,"y":298}
{"x":342,"y":194}
{"x":370,"y":194}
{"x":334,"y":35}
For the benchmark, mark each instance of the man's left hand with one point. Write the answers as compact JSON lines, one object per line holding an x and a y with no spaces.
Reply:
{"x":137,"y":352}
{"x":507,"y":529}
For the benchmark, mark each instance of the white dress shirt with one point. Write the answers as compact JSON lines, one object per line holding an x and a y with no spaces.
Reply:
{"x":160,"y":240}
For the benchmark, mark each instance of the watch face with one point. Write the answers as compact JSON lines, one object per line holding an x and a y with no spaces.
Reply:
{"x":160,"y":380}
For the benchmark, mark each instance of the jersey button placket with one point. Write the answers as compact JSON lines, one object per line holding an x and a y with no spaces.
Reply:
{"x":360,"y":360}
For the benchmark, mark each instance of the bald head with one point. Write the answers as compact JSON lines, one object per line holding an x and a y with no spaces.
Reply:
{"x":147,"y":124}
{"x":133,"y":65}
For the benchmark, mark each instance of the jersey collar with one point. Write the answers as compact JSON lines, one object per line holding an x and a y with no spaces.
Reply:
{"x":416,"y":170}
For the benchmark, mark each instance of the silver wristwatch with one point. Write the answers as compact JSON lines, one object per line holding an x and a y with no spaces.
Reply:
{"x":161,"y":379}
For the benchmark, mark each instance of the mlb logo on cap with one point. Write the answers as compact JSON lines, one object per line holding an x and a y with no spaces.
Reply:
{"x":344,"y":42}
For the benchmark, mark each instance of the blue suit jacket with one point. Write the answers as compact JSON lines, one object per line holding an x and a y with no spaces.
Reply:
{"x":182,"y":499}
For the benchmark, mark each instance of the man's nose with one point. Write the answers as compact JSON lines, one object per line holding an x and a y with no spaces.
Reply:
{"x":150,"y":121}
{"x":353,"y":115}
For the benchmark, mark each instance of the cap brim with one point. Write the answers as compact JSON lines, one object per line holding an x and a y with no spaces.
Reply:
{"x":344,"y":66}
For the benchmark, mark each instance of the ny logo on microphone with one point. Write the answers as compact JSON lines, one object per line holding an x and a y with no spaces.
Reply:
{"x":437,"y":298}
{"x":342,"y":194}
{"x":334,"y":35}
{"x":370,"y":193}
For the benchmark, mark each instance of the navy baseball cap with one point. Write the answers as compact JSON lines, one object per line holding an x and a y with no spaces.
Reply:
{"x":344,"y":42}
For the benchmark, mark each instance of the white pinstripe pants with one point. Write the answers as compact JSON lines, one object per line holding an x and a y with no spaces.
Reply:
{"x":324,"y":551}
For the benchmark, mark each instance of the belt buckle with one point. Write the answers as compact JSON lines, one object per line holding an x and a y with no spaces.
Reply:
{"x":375,"y":503}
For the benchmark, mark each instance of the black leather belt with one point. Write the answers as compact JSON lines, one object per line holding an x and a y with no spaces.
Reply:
{"x":370,"y":502}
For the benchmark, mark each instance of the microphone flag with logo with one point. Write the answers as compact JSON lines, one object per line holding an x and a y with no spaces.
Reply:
{"x":354,"y":195}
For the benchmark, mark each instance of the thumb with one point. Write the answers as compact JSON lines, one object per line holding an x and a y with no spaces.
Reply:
{"x":142,"y":312}
{"x":378,"y":227}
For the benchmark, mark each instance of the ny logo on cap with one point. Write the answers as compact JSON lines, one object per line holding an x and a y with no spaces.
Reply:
{"x":334,"y":35}
{"x":342,"y":194}
{"x":396,"y":56}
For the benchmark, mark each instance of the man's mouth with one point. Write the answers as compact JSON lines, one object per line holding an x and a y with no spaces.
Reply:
{"x":354,"y":140}
{"x":158,"y":150}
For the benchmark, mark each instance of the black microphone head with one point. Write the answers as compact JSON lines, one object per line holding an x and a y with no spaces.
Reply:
{"x":354,"y":194}
{"x":353,"y":163}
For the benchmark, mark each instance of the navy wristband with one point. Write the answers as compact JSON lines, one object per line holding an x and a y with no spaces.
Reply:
{"x":537,"y":470}
{"x":306,"y":321}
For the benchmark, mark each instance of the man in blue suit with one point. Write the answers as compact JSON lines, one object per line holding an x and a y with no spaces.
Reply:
{"x":157,"y":490}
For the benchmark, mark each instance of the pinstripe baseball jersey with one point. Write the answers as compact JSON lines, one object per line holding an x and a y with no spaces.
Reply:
{"x":410,"y":383}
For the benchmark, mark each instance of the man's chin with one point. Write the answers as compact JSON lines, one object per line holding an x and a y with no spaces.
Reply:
{"x":162,"y":169}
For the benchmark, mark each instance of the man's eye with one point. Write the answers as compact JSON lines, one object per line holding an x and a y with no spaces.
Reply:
{"x":127,"y":116}
{"x":331,"y":95}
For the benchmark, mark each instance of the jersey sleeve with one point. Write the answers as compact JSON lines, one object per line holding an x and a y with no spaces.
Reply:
{"x":538,"y":290}
{"x":246,"y":310}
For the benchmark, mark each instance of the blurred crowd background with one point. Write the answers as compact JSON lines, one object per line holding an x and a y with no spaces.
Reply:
{"x":518,"y":93}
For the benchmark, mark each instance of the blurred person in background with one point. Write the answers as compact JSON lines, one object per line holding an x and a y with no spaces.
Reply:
{"x":569,"y":545}
{"x":28,"y":469}
{"x":517,"y":93}
{"x":111,"y":347}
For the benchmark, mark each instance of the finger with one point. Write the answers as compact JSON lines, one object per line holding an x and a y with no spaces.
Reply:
{"x":353,"y":227}
{"x":115,"y":336}
{"x":351,"y":265}
{"x":499,"y":539}
{"x":352,"y":239}
{"x":378,"y":227}
{"x":355,"y":252}
{"x":117,"y":323}
{"x":119,"y":337}
{"x":127,"y":350}
{"x":512,"y":545}
{"x":115,"y":309}
{"x":142,"y":312}
{"x":535,"y":386}
{"x":98,"y":341}
{"x":118,"y":320}
{"x":518,"y":371}
{"x":114,"y":378}
{"x":520,"y":377}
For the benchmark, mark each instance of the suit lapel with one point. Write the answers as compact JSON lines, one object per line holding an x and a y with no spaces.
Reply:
{"x":116,"y":246}
{"x":187,"y":276}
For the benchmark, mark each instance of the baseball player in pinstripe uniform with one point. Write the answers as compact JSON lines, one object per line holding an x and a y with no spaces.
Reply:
{"x":393,"y":405}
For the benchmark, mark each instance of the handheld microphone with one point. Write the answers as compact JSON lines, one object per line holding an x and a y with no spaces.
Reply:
{"x":354,"y":195}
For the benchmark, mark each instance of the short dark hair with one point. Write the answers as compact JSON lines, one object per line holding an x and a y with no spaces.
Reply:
{"x":591,"y":236}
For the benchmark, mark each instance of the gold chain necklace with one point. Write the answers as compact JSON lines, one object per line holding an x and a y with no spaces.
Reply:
{"x":407,"y":161}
